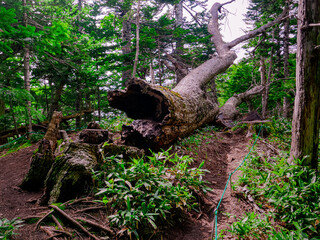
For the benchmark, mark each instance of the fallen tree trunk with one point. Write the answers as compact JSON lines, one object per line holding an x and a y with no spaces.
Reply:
{"x":163,"y":115}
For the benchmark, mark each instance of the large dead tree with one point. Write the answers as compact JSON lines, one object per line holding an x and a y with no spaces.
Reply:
{"x":162,"y":115}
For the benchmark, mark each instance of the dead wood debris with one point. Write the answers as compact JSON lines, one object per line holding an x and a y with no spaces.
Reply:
{"x":73,"y":221}
{"x":71,"y":218}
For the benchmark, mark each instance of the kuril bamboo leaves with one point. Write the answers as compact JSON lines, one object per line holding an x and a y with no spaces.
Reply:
{"x":147,"y":192}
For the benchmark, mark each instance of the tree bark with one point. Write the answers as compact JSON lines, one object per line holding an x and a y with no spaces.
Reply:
{"x":263,"y":83}
{"x":305,"y":124}
{"x":163,"y":115}
{"x":180,"y":69}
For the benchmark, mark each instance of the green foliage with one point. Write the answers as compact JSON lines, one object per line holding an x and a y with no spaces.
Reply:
{"x":237,"y":79}
{"x":293,"y":191}
{"x":7,"y":227}
{"x":146,"y":193}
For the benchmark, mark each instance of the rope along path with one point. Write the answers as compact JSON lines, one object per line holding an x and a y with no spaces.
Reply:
{"x":215,"y":227}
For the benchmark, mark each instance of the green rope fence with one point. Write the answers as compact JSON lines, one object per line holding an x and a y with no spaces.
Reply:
{"x":215,"y":228}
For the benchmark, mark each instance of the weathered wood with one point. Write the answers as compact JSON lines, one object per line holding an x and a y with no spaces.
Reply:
{"x":165,"y":114}
{"x":127,"y":152}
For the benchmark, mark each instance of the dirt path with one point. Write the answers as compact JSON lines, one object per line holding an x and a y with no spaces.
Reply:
{"x":15,"y":202}
{"x":222,"y":153}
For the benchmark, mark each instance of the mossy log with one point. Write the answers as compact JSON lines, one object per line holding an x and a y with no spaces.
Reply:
{"x":71,"y":174}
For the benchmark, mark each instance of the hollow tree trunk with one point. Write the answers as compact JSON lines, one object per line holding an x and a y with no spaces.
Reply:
{"x":163,"y":115}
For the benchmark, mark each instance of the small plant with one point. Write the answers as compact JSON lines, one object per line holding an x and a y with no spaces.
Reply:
{"x":251,"y":226}
{"x":7,"y":227}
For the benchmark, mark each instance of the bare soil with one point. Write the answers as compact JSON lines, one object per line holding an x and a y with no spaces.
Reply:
{"x":222,"y":152}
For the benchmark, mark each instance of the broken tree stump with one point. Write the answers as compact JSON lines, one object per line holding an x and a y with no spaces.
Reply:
{"x":43,"y":157}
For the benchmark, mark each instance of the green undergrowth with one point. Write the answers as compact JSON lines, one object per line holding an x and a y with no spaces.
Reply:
{"x":290,"y":194}
{"x":7,"y":227}
{"x":143,"y":195}
{"x":16,"y":148}
{"x":193,"y":142}
{"x":280,"y":130}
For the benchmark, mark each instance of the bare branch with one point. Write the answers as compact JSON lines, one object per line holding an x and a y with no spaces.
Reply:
{"x":255,"y":32}
{"x":213,"y":28}
{"x":314,"y":25}
{"x":194,"y":17}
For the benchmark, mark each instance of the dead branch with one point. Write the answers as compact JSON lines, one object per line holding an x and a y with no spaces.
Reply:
{"x":63,"y":232}
{"x":41,"y":219}
{"x":90,"y":209}
{"x":74,"y":222}
{"x":57,"y":222}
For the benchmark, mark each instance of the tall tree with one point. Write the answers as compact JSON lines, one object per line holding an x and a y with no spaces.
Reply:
{"x":305,"y":124}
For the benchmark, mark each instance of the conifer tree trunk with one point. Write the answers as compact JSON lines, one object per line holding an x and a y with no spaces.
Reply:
{"x":263,"y":83}
{"x":286,"y":63}
{"x":305,"y":124}
{"x":26,"y":63}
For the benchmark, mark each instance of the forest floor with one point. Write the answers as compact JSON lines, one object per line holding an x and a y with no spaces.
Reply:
{"x":222,"y":152}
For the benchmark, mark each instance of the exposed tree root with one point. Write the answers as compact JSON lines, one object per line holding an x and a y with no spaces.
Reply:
{"x":97,"y":225}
